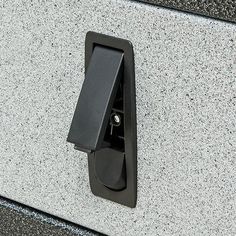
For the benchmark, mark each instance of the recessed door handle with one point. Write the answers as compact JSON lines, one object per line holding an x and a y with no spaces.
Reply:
{"x":104,"y":121}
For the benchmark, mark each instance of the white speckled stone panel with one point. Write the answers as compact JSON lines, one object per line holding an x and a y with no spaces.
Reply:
{"x":186,"y":111}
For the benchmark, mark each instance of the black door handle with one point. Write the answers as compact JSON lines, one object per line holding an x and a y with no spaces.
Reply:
{"x":92,"y":115}
{"x":104,"y":121}
{"x":96,"y":98}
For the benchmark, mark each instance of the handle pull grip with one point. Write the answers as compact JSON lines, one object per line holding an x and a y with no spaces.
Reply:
{"x":97,"y":96}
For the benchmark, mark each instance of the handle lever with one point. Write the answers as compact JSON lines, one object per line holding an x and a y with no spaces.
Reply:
{"x":97,"y":96}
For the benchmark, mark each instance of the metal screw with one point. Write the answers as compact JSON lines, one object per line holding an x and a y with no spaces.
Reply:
{"x":115,"y":119}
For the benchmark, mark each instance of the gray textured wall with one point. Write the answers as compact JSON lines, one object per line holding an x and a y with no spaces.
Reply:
{"x":186,"y":107}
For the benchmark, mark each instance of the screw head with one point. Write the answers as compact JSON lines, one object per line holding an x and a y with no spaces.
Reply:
{"x":115,"y":119}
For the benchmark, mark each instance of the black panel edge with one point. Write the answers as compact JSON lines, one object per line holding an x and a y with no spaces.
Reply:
{"x":19,"y":219}
{"x":201,"y":9}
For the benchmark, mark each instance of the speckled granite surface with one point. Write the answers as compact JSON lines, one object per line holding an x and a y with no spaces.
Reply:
{"x":221,"y":9}
{"x":19,"y":220}
{"x":185,"y":82}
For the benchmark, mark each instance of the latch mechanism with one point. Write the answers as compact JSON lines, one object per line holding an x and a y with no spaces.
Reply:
{"x":104,"y":122}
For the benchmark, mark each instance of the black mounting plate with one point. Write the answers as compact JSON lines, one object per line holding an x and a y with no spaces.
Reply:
{"x":128,"y":195}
